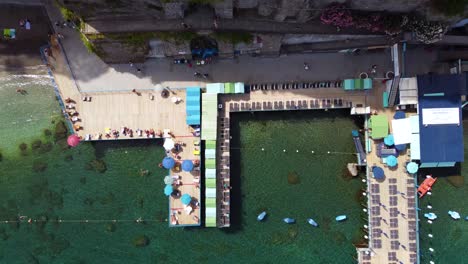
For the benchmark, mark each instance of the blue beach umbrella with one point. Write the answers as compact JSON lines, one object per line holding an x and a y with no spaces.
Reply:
{"x":187,"y":165}
{"x":389,"y":141}
{"x":185,"y":199}
{"x":412,"y":167}
{"x":391,"y":161}
{"x":378,"y":172}
{"x":168,"y":162}
{"x":168,"y":190}
{"x":399,"y":115}
{"x":400,"y":147}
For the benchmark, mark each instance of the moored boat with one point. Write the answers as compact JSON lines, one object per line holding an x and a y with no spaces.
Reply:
{"x":261,"y":216}
{"x":289,"y":220}
{"x":341,"y":218}
{"x":312,"y":222}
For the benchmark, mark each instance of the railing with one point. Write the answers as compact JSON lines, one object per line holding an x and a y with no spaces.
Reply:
{"x":393,"y":91}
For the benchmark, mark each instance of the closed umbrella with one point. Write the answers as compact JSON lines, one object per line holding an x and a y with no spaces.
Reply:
{"x":378,"y":172}
{"x":400,"y":147}
{"x":399,"y":115}
{"x":168,"y":163}
{"x":187,"y":165}
{"x":168,"y":190}
{"x":168,"y":180}
{"x":412,"y":167}
{"x":168,"y":144}
{"x":389,"y":140}
{"x":73,"y":140}
{"x":186,"y":199}
{"x":391,"y":161}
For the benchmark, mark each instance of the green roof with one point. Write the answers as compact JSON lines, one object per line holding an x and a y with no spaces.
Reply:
{"x":210,"y":163}
{"x":210,"y":222}
{"x":379,"y":126}
{"x":210,"y":202}
{"x":210,"y":144}
{"x":210,"y":183}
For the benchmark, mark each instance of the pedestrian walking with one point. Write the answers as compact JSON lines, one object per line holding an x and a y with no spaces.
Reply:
{"x":306,"y":66}
{"x":138,"y":70}
{"x":131,"y":64}
{"x":374,"y":69}
{"x":215,"y":23}
{"x":27,"y":25}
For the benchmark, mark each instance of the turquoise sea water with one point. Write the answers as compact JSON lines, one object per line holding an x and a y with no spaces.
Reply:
{"x":54,"y":184}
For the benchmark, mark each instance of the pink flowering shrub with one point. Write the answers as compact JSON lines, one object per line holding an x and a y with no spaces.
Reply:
{"x":337,"y":15}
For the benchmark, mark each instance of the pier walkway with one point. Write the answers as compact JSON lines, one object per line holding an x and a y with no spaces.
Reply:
{"x":392,"y":211}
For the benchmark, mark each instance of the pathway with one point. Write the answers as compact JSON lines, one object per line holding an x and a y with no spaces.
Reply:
{"x":392,"y":211}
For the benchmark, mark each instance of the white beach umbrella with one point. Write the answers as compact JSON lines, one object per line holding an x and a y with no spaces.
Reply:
{"x":168,"y":144}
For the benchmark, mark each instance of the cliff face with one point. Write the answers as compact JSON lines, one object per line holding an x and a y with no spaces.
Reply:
{"x":279,"y":10}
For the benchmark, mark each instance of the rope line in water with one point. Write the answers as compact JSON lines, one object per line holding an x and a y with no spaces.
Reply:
{"x":31,"y":221}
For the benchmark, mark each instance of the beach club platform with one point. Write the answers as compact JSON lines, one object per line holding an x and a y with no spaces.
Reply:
{"x":179,"y":113}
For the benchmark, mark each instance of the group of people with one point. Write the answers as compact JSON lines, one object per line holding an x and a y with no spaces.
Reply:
{"x":72,"y":113}
{"x":125,"y":131}
{"x":25,"y":23}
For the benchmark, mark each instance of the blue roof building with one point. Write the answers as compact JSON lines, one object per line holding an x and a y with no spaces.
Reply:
{"x":440,"y":122}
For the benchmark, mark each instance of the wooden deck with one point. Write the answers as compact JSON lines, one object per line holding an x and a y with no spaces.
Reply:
{"x":126,"y":109}
{"x":392,"y":212}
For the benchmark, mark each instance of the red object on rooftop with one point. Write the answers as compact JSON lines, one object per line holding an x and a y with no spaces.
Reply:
{"x":73,"y":140}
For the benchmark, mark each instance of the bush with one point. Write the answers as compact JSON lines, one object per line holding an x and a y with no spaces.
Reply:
{"x":450,"y":7}
{"x":1,"y":156}
{"x":426,"y":31}
{"x":337,"y":15}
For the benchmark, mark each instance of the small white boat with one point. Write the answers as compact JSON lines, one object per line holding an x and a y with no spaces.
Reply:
{"x":430,"y":216}
{"x":289,"y":220}
{"x":454,"y":215}
{"x":261,"y":216}
{"x":341,"y":218}
{"x":312,"y":222}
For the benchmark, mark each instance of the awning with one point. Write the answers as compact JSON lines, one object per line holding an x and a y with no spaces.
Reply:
{"x":379,"y":126}
{"x":401,"y":131}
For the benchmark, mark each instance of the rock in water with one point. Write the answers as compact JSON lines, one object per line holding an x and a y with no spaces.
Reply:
{"x":352,"y":168}
{"x":293,"y":178}
{"x":141,"y":241}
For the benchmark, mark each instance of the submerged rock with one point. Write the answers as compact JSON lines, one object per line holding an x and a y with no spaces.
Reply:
{"x":97,"y":165}
{"x":36,"y":144}
{"x":456,"y":181}
{"x":141,"y":241}
{"x":111,"y":227}
{"x":60,"y":130}
{"x":352,"y":168}
{"x":39,"y":166}
{"x":293,"y":178}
